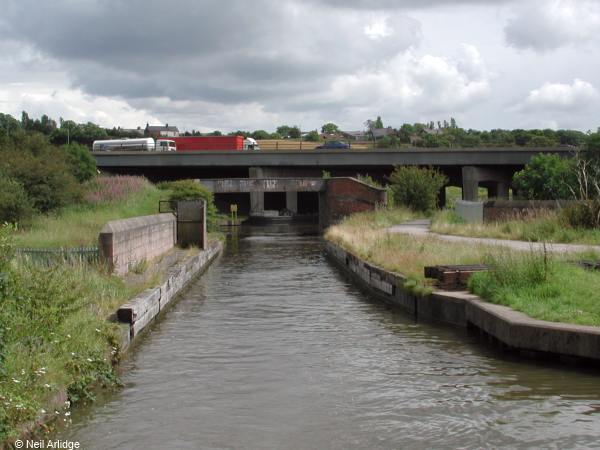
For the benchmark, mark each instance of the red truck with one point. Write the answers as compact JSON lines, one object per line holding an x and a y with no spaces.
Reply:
{"x":193,"y":143}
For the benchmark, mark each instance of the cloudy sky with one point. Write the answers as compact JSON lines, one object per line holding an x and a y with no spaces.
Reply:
{"x":241,"y":64}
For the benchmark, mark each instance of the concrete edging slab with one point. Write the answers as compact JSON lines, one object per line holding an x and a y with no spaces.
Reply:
{"x":140,"y":311}
{"x":512,"y":328}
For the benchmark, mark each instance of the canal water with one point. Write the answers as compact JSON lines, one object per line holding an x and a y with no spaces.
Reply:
{"x":273,"y":349}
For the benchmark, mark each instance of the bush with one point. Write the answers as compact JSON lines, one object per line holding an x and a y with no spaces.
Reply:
{"x":15,"y":205}
{"x":192,"y":190}
{"x":583,"y":214}
{"x":82,"y":162}
{"x":416,"y":188}
{"x":43,"y":170}
{"x":545,"y":177}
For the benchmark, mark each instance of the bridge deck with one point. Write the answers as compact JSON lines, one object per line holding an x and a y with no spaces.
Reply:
{"x":320,"y":158}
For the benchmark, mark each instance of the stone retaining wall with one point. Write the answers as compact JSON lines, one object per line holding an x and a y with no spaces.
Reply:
{"x":141,"y":310}
{"x":124,"y":243}
{"x":512,"y":328}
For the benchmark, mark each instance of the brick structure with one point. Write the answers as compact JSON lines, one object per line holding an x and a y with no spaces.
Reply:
{"x":345,"y":196}
{"x":123,"y":243}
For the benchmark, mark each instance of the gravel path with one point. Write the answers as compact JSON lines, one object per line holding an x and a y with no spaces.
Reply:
{"x":421,"y":228}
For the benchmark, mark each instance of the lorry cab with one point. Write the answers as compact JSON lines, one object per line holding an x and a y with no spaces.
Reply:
{"x":165,"y":145}
{"x":251,"y":144}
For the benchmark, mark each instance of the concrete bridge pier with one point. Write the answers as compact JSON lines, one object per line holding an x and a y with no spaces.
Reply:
{"x":257,"y":198}
{"x":291,"y":201}
{"x":496,"y":181}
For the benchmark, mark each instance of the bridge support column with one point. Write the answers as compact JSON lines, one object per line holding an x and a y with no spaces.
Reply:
{"x":470,"y":184}
{"x":291,"y":201}
{"x":498,"y":190}
{"x":496,"y":180}
{"x":257,"y":199}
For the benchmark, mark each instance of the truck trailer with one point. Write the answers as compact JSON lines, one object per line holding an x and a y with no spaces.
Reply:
{"x":141,"y":144}
{"x":207,"y":143}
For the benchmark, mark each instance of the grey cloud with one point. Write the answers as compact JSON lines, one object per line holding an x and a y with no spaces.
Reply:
{"x":202,"y":50}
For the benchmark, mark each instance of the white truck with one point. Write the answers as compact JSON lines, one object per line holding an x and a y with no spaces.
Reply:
{"x":141,"y":144}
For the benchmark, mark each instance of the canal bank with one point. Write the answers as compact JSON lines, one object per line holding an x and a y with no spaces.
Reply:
{"x":274,"y":348}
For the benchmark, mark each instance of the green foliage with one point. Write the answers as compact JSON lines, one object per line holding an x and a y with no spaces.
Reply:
{"x":43,"y":170}
{"x":192,"y":190}
{"x":15,"y":205}
{"x":545,"y":177}
{"x":367,"y":179}
{"x":312,"y":136}
{"x":326,"y":175}
{"x":583,"y":214}
{"x":82,"y":161}
{"x":53,"y":337}
{"x":417,"y":188}
{"x":541,"y":141}
{"x":388,"y":142}
{"x":378,"y":123}
{"x":540,"y":287}
{"x":260,"y":134}
{"x":330,"y":128}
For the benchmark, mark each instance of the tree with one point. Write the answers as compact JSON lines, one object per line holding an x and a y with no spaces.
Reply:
{"x":545,"y":177}
{"x":312,"y":136}
{"x":192,"y":190}
{"x":330,"y":128}
{"x":15,"y":205}
{"x":295,"y":132}
{"x":215,"y":133}
{"x":416,"y":187}
{"x":453,"y":123}
{"x":260,"y":134}
{"x":378,"y":122}
{"x":82,"y":162}
{"x":284,"y":131}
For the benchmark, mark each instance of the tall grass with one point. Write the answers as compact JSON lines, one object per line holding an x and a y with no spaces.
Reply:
{"x":54,"y":337}
{"x":537,"y":226}
{"x":541,"y":287}
{"x":108,"y":198}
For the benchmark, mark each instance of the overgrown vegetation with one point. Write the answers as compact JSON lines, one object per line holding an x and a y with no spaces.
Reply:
{"x":104,"y":198}
{"x":416,"y":188}
{"x":192,"y":190}
{"x":54,"y":336}
{"x":536,"y":226}
{"x":541,"y":287}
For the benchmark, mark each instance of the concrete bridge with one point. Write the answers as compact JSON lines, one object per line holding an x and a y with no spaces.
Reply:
{"x":470,"y":168}
{"x":330,"y":198}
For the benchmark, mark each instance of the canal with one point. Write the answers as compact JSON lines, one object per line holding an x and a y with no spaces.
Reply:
{"x":273,"y":348}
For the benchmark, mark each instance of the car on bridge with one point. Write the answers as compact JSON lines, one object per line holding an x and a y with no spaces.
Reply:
{"x":333,"y":145}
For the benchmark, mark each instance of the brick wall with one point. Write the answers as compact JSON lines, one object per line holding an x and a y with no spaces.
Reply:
{"x":345,"y":196}
{"x":503,"y":210}
{"x":123,"y":243}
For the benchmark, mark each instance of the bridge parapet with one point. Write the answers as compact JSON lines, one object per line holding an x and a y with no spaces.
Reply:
{"x":238,"y":185}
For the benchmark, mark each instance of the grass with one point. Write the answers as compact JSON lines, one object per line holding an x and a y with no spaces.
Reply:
{"x":540,"y":226}
{"x":108,"y":198}
{"x":55,"y":338}
{"x":541,"y":286}
{"x":364,"y":234}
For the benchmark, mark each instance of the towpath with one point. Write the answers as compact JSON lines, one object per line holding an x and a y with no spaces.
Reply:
{"x":421,"y":228}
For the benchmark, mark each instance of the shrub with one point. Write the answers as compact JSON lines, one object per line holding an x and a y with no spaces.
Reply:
{"x":583,"y":214}
{"x":15,"y":205}
{"x":545,"y":177}
{"x":45,"y":174}
{"x":416,"y":188}
{"x":192,"y":190}
{"x":82,"y":162}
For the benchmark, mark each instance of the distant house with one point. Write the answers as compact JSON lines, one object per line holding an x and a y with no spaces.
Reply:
{"x":378,"y":133}
{"x":158,"y":131}
{"x":133,"y":131}
{"x":355,"y":135}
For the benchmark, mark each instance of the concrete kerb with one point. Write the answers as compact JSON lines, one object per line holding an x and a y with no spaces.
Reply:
{"x":139,"y":312}
{"x":515,"y":330}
